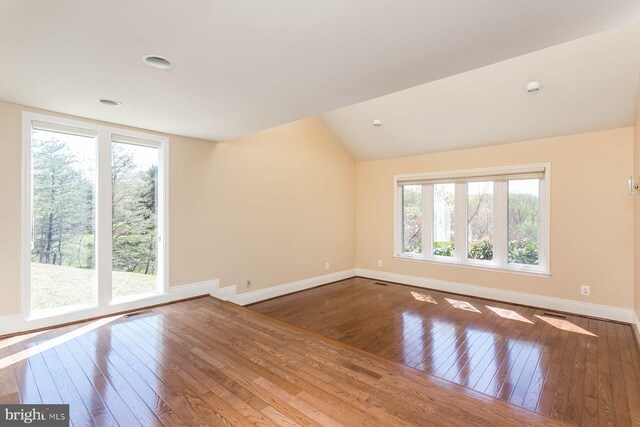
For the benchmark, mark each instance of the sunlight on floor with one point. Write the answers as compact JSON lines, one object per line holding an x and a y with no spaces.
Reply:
{"x":565,"y":325}
{"x":509,"y":314}
{"x":32,"y":351}
{"x":462,"y":305}
{"x":423,"y":297}
{"x":18,"y":338}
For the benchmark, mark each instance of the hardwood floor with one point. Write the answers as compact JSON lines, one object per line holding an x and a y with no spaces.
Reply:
{"x":207,"y":362}
{"x":580,"y":370}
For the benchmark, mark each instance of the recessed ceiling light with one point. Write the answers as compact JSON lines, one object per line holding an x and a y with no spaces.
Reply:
{"x":534,"y":86}
{"x":377,"y":122}
{"x":110,"y":102}
{"x":156,"y":61}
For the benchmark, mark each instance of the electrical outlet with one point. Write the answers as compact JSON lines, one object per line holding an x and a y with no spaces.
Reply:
{"x":327,"y":266}
{"x":379,"y":263}
{"x":585,"y":290}
{"x":248,"y":283}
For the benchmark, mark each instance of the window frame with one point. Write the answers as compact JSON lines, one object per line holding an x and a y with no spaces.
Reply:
{"x":103,"y":223}
{"x":500,"y":226}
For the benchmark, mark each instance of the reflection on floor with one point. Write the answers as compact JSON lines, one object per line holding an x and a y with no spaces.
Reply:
{"x":205,"y":362}
{"x":576,"y":369}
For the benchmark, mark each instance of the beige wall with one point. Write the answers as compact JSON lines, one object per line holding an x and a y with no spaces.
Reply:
{"x":271,"y":207}
{"x":591,"y":215}
{"x":10,"y":213}
{"x":285,"y":205}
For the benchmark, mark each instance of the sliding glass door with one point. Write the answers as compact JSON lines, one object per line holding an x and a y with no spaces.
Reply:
{"x":95,"y":216}
{"x":134,"y":209}
{"x":62,"y":261}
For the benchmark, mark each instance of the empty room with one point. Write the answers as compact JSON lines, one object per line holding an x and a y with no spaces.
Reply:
{"x":319,"y":213}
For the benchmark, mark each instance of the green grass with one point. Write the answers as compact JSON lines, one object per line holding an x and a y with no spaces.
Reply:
{"x":54,"y":286}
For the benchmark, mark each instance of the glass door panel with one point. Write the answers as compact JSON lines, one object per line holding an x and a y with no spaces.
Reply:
{"x":134,"y":187}
{"x":63,"y":179}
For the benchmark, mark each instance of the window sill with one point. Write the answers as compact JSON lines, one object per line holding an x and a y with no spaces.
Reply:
{"x":81,"y":308}
{"x":474,"y":266}
{"x":59,"y":311}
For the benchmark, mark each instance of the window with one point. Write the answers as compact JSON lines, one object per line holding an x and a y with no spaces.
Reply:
{"x":523,"y":215}
{"x":134,"y":219}
{"x":444,"y":220}
{"x":412,"y":218}
{"x":94,"y":216}
{"x":487,"y":218}
{"x":480,"y":221}
{"x":63,"y":178}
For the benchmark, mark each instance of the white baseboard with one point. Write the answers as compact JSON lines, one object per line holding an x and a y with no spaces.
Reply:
{"x":17,"y":323}
{"x":229,"y":293}
{"x":636,"y":327}
{"x":551,"y":303}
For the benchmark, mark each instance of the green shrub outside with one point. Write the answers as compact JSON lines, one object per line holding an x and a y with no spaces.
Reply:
{"x":520,"y":251}
{"x":443,"y":248}
{"x":481,"y":250}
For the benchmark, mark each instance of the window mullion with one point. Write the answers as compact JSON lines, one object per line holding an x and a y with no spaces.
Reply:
{"x":163,"y":213}
{"x":427,"y":221}
{"x":500,"y":223}
{"x":399,"y":221}
{"x":103,"y":219}
{"x":460,"y":237}
{"x":543,"y":226}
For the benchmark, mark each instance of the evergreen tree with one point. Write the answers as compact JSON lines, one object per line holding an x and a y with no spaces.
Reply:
{"x":134,"y":217}
{"x":63,"y":206}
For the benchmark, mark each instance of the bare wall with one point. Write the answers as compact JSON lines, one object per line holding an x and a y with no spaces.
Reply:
{"x":284,"y":206}
{"x":591,"y":215}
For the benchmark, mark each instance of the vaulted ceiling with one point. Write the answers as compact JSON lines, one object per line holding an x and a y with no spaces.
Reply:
{"x":243,"y":66}
{"x":588,"y":84}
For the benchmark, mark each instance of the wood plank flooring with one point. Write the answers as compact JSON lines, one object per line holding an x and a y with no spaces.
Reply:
{"x":580,"y":370}
{"x":207,"y":362}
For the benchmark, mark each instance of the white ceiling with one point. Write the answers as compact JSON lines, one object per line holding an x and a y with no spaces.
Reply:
{"x":589,"y":84}
{"x":246,"y":65}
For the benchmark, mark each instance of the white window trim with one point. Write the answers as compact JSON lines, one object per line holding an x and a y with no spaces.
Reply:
{"x":103,"y":197}
{"x":500,"y":237}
